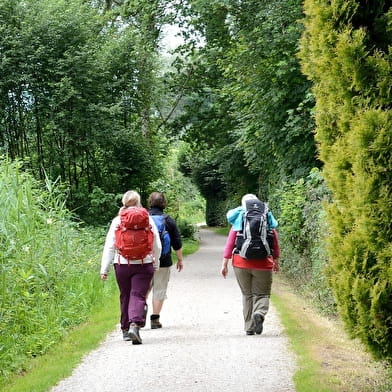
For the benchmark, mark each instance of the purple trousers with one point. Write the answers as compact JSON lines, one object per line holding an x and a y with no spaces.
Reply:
{"x":134,"y":282}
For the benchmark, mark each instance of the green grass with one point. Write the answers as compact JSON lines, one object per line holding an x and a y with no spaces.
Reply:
{"x":221,"y":230}
{"x":327,"y":359}
{"x":308,"y":377}
{"x":48,"y":269}
{"x":189,"y":246}
{"x":44,"y":372}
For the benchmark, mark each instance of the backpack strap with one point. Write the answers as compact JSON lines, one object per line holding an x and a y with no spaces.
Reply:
{"x":264,"y":228}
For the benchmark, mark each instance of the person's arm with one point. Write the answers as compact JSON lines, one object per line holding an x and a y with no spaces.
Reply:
{"x":227,"y":252}
{"x":276,"y":254}
{"x":175,"y":241}
{"x":224,"y":268}
{"x":179,"y":264}
{"x":109,"y":250}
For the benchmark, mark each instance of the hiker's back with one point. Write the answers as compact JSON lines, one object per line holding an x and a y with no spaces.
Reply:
{"x":134,"y":236}
{"x":251,"y":242}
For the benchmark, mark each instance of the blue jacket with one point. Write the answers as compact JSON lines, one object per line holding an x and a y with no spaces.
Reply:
{"x":174,"y":233}
{"x":235,"y":217}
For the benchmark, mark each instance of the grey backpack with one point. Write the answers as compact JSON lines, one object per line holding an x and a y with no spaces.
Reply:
{"x":251,"y":242}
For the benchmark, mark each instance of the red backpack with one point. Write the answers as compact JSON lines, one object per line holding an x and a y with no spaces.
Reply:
{"x":134,"y":236}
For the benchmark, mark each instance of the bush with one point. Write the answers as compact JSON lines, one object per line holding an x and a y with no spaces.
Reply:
{"x":49,"y":270}
{"x":186,"y":229}
{"x":103,"y":207}
{"x":302,"y":230}
{"x":346,"y":52}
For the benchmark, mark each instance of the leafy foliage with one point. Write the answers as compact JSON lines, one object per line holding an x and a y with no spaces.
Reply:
{"x":48,"y":276}
{"x":346,"y":52}
{"x":303,"y":234}
{"x":77,"y":93}
{"x":270,"y":98}
{"x":247,"y":111}
{"x":185,"y":204}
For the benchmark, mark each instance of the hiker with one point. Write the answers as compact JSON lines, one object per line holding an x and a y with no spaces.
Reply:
{"x":254,"y":275}
{"x":134,"y":263}
{"x":170,"y":238}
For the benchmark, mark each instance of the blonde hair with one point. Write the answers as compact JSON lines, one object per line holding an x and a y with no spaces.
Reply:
{"x":248,"y":196}
{"x":131,"y":199}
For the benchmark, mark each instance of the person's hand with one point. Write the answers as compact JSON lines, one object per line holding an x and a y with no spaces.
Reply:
{"x":104,"y":276}
{"x":224,"y":270}
{"x":276,"y":265}
{"x":180,"y":265}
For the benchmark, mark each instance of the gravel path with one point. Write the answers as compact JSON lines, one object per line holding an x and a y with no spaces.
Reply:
{"x":202,"y":345}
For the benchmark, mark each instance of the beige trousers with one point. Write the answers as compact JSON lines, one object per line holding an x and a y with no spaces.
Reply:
{"x":255,"y":287}
{"x":159,"y":283}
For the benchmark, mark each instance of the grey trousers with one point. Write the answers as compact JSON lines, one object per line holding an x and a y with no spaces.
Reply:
{"x":255,"y":287}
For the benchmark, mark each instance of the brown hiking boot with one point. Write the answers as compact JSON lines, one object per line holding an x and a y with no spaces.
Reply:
{"x":155,"y":324}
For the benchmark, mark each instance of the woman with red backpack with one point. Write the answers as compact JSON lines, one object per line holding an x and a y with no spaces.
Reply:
{"x":133,"y":246}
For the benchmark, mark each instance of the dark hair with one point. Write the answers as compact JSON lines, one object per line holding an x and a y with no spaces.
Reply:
{"x":157,"y":199}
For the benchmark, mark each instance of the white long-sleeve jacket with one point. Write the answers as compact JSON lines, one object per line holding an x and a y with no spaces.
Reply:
{"x":110,"y":255}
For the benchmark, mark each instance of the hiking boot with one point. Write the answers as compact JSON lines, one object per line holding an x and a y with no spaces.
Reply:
{"x":143,"y":324}
{"x":250,"y":332}
{"x":155,"y":324}
{"x":258,"y":320}
{"x":133,"y":333}
{"x":126,"y":337}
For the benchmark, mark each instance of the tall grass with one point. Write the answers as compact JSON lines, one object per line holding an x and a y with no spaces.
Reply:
{"x":48,"y":268}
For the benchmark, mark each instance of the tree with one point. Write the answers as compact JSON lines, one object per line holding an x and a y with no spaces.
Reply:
{"x":248,"y":108}
{"x":78,"y":92}
{"x":346,"y":52}
{"x":271,"y":99}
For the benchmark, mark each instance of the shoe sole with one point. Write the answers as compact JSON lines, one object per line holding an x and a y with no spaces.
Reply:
{"x":258,"y":321}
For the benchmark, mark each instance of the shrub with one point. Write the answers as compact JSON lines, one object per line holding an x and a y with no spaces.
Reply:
{"x":186,"y":229}
{"x":346,"y":52}
{"x":302,"y":231}
{"x":48,"y":268}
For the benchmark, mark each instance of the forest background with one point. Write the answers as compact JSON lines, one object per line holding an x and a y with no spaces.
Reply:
{"x":286,"y":99}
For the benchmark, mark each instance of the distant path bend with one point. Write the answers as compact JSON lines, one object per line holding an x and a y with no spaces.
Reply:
{"x":202,"y":345}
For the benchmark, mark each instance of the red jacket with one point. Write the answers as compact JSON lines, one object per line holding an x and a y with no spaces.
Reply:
{"x":263,"y":264}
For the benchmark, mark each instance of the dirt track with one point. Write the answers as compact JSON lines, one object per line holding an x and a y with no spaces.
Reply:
{"x":202,"y":345}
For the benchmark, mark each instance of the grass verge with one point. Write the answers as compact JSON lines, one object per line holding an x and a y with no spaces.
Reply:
{"x":327,"y":359}
{"x":189,"y":246}
{"x":44,"y":372}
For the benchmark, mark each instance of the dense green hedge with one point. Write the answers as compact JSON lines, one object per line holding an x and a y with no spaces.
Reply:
{"x":346,"y":52}
{"x":49,"y":269}
{"x":303,"y":231}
